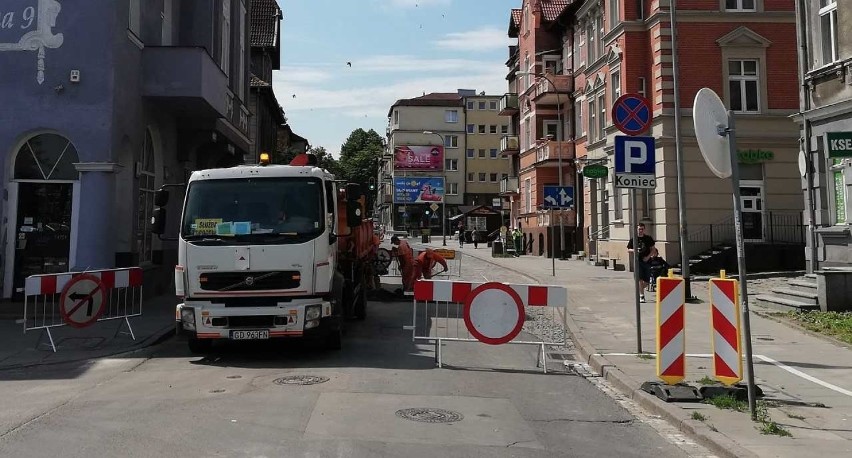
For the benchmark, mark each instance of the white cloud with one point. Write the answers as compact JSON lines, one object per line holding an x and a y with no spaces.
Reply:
{"x":300,"y":75}
{"x":482,"y":39}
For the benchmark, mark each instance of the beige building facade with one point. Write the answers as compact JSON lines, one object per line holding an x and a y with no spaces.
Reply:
{"x":484,"y":165}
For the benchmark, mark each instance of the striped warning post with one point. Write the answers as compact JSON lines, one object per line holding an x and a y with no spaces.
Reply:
{"x":725,"y":320}
{"x":671,"y":338}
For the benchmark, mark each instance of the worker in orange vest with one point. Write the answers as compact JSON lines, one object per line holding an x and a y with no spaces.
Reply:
{"x":426,"y":262}
{"x":405,"y":256}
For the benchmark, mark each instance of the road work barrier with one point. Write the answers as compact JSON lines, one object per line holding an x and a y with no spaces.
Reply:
{"x":80,"y":299}
{"x":671,"y":337}
{"x":725,"y":319}
{"x":489,"y":313}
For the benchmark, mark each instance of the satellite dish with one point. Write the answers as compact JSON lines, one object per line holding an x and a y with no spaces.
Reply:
{"x":709,"y":117}
{"x":803,"y":164}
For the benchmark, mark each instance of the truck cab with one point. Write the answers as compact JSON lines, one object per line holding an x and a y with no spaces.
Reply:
{"x":257,"y":254}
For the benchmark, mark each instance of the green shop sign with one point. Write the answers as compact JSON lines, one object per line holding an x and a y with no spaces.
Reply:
{"x":595,"y":171}
{"x":754,"y":156}
{"x":839,"y":144}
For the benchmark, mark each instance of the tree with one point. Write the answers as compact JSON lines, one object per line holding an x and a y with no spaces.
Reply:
{"x":326,"y":161}
{"x":360,"y":155}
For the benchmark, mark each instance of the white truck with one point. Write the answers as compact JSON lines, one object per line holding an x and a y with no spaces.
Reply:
{"x":269,"y":251}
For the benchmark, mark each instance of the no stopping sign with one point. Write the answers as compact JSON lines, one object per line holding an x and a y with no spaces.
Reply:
{"x":494,"y":313}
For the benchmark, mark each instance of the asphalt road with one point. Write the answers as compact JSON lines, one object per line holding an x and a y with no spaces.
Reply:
{"x":164,"y":401}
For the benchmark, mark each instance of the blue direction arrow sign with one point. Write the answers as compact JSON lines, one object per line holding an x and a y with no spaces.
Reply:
{"x":631,"y":114}
{"x":558,"y":197}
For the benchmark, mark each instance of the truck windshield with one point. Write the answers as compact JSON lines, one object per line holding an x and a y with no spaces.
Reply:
{"x":255,"y":210}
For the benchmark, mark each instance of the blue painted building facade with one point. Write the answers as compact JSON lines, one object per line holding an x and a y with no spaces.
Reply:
{"x":101,"y":103}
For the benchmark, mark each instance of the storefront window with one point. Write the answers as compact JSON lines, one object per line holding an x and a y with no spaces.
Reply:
{"x":840,"y":197}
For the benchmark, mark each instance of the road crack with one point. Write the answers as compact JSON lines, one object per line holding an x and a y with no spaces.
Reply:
{"x":577,"y":420}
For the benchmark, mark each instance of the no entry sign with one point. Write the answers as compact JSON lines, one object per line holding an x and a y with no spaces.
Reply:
{"x":82,"y":301}
{"x":494,"y":313}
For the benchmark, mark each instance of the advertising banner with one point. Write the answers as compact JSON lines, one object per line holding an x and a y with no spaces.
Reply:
{"x":413,"y":190}
{"x":412,"y":157}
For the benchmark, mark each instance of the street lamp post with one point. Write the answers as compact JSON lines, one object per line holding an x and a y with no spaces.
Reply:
{"x":559,"y":137}
{"x":443,"y":197}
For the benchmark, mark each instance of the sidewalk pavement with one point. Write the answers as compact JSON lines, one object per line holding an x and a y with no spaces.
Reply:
{"x":806,"y":379}
{"x":105,"y":338}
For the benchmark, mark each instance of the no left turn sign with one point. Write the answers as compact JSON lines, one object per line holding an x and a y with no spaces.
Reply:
{"x":82,"y":301}
{"x":494,"y":313}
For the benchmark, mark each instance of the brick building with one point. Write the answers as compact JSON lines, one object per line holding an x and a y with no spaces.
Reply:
{"x":743,"y":50}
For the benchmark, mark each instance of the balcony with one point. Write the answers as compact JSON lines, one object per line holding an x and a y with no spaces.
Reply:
{"x":509,"y":145}
{"x":547,"y":153}
{"x":187,"y":81}
{"x":509,"y":186}
{"x":545,"y":93}
{"x":508,"y":105}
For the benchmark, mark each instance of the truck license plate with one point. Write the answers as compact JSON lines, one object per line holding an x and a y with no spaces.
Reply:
{"x":250,"y":335}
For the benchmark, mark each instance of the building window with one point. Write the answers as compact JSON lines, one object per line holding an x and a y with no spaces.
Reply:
{"x":612,"y":7}
{"x":47,"y":157}
{"x":642,"y":87}
{"x":493,"y":153}
{"x":618,"y":204}
{"x":743,"y":83}
{"x":528,"y":136}
{"x":452,"y":165}
{"x":504,"y":129}
{"x":471,"y":128}
{"x":226,"y":37}
{"x":493,"y":177}
{"x":470,"y":153}
{"x":482,"y":153}
{"x":451,"y":141}
{"x":528,"y":76}
{"x":592,"y":47}
{"x":551,"y":130}
{"x":482,"y":128}
{"x":492,"y":129}
{"x":740,"y":5}
{"x":241,"y":78}
{"x":470,"y":105}
{"x":527,"y":196}
{"x":615,"y":85}
{"x":504,"y":176}
{"x":146,"y":173}
{"x":828,"y":30}
{"x":452,"y":189}
{"x":482,"y":105}
{"x":482,"y":177}
{"x":602,"y":118}
{"x":578,"y":118}
{"x":451,"y":116}
{"x":470,"y":177}
{"x":396,"y":117}
{"x":134,"y":21}
{"x":492,"y":105}
{"x":646,"y":203}
{"x":593,"y":135}
{"x":598,"y":24}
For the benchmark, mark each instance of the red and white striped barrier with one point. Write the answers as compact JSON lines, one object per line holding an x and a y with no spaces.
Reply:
{"x":725,"y":319}
{"x":492,"y":313}
{"x":39,"y":285}
{"x":671,"y":338}
{"x":79,"y":299}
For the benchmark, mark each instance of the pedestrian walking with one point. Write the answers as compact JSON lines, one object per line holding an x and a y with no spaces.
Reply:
{"x":461,"y":234}
{"x":516,"y":239}
{"x":475,"y":239}
{"x":644,"y":244}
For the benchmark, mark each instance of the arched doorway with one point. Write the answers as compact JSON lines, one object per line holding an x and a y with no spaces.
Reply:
{"x":43,"y":199}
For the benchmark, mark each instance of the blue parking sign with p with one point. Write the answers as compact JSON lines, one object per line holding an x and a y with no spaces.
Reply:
{"x":634,"y":155}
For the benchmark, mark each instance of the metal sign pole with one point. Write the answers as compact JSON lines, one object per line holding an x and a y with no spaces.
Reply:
{"x":552,"y":244}
{"x":741,"y":265}
{"x":633,"y":217}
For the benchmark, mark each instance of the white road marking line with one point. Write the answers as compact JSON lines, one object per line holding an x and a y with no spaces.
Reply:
{"x":763,"y":358}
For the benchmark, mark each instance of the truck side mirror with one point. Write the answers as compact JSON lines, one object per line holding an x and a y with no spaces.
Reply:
{"x":161,"y":198}
{"x":354,"y":212}
{"x":158,"y":221}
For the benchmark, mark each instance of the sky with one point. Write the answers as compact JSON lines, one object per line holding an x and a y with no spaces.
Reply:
{"x":398,"y":49}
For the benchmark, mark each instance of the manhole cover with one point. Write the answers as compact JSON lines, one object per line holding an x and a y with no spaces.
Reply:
{"x":301,"y":380}
{"x":429,"y":415}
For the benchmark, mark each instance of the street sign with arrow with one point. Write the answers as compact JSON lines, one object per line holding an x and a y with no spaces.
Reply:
{"x":558,"y":197}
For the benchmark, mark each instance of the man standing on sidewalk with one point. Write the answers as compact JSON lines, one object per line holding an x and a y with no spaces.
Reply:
{"x":516,"y":236}
{"x":644,"y":243}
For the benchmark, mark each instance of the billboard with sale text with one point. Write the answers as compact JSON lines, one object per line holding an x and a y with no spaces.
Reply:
{"x":415,"y":158}
{"x":418,"y":190}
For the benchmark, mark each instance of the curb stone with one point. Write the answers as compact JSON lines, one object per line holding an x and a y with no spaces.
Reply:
{"x":716,"y":442}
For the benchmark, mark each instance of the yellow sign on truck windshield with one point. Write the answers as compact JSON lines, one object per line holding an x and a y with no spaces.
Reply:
{"x":206,"y":226}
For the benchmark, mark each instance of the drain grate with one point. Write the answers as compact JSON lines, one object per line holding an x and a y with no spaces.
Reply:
{"x":301,"y":380}
{"x":429,"y":415}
